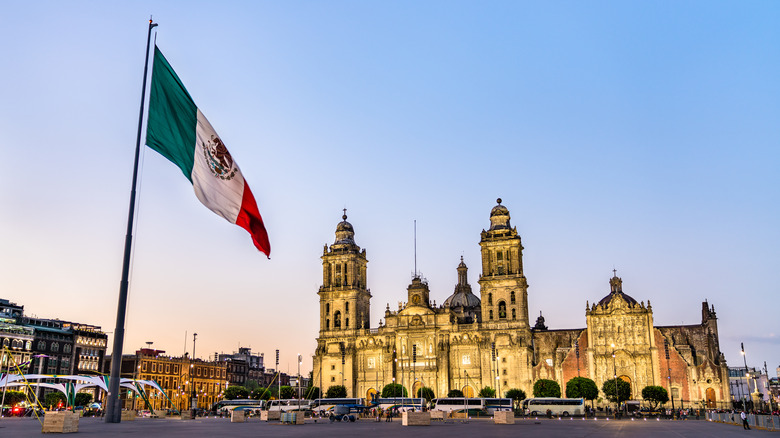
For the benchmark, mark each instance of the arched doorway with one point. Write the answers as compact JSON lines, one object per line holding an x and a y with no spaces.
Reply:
{"x":468,"y":391}
{"x":710,"y":398}
{"x":416,"y":387}
{"x":370,"y":394}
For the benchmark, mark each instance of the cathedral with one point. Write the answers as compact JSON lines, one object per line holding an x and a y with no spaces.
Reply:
{"x":475,"y":340}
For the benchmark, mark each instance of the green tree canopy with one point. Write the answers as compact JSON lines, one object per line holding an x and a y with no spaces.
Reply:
{"x":312,"y":393}
{"x":394,"y":390}
{"x":234,"y":392}
{"x":260,"y":393}
{"x":455,"y":393}
{"x":582,"y":387}
{"x":14,"y":397}
{"x":53,"y":399}
{"x":251,"y":385}
{"x":655,"y":395}
{"x":487,"y":392}
{"x":426,"y":393}
{"x":336,"y":391}
{"x":287,"y":392}
{"x":623,"y":390}
{"x":83,"y":398}
{"x":516,"y":395}
{"x":547,"y":388}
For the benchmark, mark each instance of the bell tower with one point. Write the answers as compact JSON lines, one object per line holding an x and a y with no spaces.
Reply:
{"x":503,"y":287}
{"x":344,"y":297}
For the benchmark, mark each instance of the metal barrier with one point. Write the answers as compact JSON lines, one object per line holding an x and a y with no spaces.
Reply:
{"x":768,"y":422}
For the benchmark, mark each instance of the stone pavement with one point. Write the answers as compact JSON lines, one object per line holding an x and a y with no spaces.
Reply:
{"x":527,"y":428}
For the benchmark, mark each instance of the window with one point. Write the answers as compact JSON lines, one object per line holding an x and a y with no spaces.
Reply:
{"x":327,"y":308}
{"x":514,"y":314}
{"x":501,"y":310}
{"x":346,"y":322}
{"x":332,"y":367}
{"x":66,"y":348}
{"x":154,"y":367}
{"x":346,"y":307}
{"x":327,"y":324}
{"x":143,"y":366}
{"x":332,"y":379}
{"x":512,"y":297}
{"x":28,"y":345}
{"x":41,"y":345}
{"x":337,"y":320}
{"x":5,"y":342}
{"x":55,"y":346}
{"x":466,"y":359}
{"x":167,"y":368}
{"x":371,"y":362}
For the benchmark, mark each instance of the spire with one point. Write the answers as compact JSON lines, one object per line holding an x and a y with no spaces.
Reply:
{"x":615,"y":283}
{"x":499,"y":217}
{"x":462,"y":273}
{"x":345,"y":234}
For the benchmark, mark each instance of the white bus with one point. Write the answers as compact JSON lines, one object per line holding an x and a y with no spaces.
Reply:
{"x":289,"y":405}
{"x":401,"y":404}
{"x":498,"y":404}
{"x":458,"y":404}
{"x":324,"y":406}
{"x":226,"y":406}
{"x":563,"y":407}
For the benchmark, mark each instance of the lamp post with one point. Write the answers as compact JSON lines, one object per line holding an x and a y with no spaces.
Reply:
{"x":669,"y":376}
{"x":617,"y":394}
{"x":299,"y":382}
{"x":747,"y":376}
{"x":194,"y":403}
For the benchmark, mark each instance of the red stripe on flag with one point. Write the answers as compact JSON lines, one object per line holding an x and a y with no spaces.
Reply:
{"x":249,"y":219}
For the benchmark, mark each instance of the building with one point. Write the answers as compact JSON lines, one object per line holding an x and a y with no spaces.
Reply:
{"x":179,"y":377}
{"x":16,"y":341}
{"x":243,"y":367}
{"x":470,"y":342}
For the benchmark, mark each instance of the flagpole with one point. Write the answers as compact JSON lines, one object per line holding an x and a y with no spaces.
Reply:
{"x":113,"y":404}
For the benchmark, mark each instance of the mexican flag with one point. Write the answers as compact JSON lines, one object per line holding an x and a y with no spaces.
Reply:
{"x":180,"y":132}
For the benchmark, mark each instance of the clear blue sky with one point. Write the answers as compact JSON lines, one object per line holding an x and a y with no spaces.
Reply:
{"x":636,"y":135}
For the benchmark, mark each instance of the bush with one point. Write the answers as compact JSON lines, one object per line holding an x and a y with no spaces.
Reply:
{"x":655,"y":395}
{"x":455,"y":393}
{"x":487,"y":392}
{"x":14,"y":397}
{"x":547,"y":388}
{"x":426,"y":393}
{"x":623,"y":390}
{"x":53,"y":399}
{"x":394,"y":390}
{"x":261,"y":393}
{"x":336,"y":391}
{"x":516,"y":395}
{"x":83,"y":399}
{"x":582,"y":387}
{"x":234,"y":392}
{"x":312,"y":393}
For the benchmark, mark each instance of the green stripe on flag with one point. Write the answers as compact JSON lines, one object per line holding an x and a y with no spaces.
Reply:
{"x":173,"y":116}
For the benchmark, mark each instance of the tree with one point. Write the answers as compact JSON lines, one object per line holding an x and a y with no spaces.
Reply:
{"x":517,"y":395}
{"x":547,"y":388}
{"x":336,"y":391}
{"x":455,"y":393}
{"x":234,"y":392}
{"x":582,"y":387}
{"x":394,"y":390}
{"x":426,"y":393}
{"x":655,"y":395}
{"x":623,"y":390}
{"x":260,"y":393}
{"x":487,"y":392}
{"x":83,"y":398}
{"x":53,"y":399}
{"x":312,"y":393}
{"x":287,"y":392}
{"x":251,"y":385}
{"x":14,"y":397}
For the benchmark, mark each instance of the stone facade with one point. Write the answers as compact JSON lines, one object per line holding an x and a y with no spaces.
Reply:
{"x":470,"y":342}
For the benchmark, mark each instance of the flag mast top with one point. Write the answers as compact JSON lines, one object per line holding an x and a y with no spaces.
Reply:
{"x":113,"y":404}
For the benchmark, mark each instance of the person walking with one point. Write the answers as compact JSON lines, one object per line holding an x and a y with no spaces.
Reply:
{"x":745,"y":424}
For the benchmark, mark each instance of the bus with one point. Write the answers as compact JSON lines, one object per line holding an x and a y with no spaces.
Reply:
{"x":457,"y":404}
{"x":226,"y":406}
{"x":324,"y":406}
{"x":498,"y":404}
{"x":557,"y":406}
{"x":400,"y":404}
{"x":288,"y":405}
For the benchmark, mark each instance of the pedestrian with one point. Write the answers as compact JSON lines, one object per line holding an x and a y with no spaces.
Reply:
{"x":745,"y":424}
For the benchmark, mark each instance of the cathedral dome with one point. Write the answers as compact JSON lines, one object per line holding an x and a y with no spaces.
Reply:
{"x":499,"y":217}
{"x":345,"y":234}
{"x":616,"y":290}
{"x":462,"y":297}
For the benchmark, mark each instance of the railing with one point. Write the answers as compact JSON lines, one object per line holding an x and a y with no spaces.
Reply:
{"x":768,"y":422}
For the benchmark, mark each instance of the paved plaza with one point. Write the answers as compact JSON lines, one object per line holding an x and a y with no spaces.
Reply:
{"x":219,"y":427}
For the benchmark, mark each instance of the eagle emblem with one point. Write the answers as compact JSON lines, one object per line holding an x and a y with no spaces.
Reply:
{"x":218,"y":158}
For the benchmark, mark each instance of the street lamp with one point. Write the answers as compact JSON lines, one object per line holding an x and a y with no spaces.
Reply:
{"x":747,"y":376}
{"x":617,"y":394}
{"x":194,"y":404}
{"x":300,"y":359}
